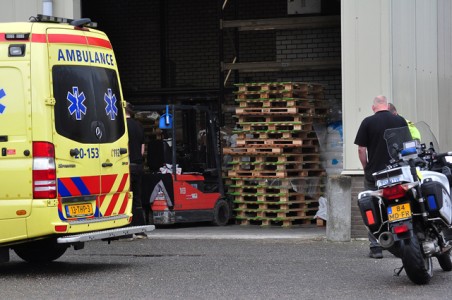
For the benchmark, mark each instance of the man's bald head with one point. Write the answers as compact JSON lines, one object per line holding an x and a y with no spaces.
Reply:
{"x":380,"y":103}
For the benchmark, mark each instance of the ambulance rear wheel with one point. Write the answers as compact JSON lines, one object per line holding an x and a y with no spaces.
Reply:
{"x":221,"y":213}
{"x":40,"y":251}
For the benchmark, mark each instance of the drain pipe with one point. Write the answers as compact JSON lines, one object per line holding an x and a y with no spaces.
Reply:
{"x":47,"y":7}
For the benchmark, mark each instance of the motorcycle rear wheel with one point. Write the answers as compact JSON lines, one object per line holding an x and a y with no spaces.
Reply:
{"x":418,"y":268}
{"x":445,"y":261}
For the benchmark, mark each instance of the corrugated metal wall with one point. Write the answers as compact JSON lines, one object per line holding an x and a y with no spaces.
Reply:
{"x":445,"y":73}
{"x":365,"y":66}
{"x":401,"y":49}
{"x":414,"y":60}
{"x":19,"y":10}
{"x":22,"y":10}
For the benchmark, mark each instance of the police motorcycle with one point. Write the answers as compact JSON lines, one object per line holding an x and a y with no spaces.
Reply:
{"x":410,"y":213}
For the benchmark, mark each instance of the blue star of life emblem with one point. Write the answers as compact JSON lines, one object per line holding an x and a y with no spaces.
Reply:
{"x":2,"y":107}
{"x":76,"y":105}
{"x":111,"y":108}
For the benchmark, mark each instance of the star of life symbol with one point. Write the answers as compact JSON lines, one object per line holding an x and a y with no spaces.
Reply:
{"x":2,"y":107}
{"x":76,"y":105}
{"x":111,"y":108}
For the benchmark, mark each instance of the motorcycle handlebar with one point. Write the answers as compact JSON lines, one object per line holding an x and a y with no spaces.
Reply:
{"x":444,"y":154}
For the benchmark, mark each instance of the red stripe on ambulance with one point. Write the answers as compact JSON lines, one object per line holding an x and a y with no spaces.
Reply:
{"x":107,"y":183}
{"x":125,"y":201}
{"x":99,"y":42}
{"x":115,"y":197}
{"x":70,"y":39}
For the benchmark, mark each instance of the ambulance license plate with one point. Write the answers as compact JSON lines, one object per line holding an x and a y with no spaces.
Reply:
{"x":399,"y":212}
{"x":79,"y":210}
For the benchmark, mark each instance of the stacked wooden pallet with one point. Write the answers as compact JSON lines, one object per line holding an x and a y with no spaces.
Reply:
{"x":276,"y":176}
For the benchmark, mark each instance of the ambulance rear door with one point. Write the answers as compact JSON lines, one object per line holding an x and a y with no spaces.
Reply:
{"x":113,"y":147}
{"x":78,"y":131}
{"x":89,"y":121}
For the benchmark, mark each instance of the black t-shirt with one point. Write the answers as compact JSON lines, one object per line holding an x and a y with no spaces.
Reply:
{"x":370,"y":135}
{"x":136,"y":139}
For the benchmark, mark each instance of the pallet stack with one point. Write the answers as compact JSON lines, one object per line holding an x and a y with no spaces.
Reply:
{"x":275,"y":174}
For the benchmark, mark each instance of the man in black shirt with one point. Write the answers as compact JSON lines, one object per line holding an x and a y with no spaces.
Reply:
{"x":372,"y":149}
{"x":136,"y":150}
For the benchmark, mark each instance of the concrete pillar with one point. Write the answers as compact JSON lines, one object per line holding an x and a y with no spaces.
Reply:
{"x":339,"y":196}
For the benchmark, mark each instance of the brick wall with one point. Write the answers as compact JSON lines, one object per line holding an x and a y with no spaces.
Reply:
{"x":193,"y":43}
{"x":133,"y":28}
{"x":358,"y":229}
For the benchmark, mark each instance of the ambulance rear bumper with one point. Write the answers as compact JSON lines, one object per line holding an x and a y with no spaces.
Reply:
{"x":105,"y":234}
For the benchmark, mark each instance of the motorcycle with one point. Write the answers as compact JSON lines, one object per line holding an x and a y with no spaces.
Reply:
{"x":410,"y":213}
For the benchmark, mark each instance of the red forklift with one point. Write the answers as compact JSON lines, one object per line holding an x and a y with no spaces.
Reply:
{"x":184,"y":181}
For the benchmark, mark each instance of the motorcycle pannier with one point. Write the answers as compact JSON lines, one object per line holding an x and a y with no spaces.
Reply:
{"x":433,"y":194}
{"x":370,"y":212}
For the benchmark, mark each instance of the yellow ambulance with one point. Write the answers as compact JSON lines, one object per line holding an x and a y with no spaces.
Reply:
{"x":64,"y":164}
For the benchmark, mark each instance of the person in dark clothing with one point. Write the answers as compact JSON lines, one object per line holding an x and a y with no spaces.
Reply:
{"x":373,"y":152}
{"x":136,"y":151}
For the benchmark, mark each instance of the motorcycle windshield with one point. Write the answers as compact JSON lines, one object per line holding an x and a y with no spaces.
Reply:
{"x":396,"y":137}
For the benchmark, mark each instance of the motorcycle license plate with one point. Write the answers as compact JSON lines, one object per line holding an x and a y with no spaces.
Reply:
{"x":399,"y":212}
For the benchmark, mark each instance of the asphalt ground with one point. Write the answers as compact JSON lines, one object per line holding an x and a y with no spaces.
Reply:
{"x":208,"y":262}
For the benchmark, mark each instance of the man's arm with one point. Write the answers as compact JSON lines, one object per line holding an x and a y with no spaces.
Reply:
{"x":362,"y":154}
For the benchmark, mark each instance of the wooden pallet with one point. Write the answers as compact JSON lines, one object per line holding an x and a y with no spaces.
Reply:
{"x":270,"y":166}
{"x":276,"y":198}
{"x":309,"y":192}
{"x":259,"y":142}
{"x":274,"y":134}
{"x":273,"y":94}
{"x":276,"y":166}
{"x":273,"y":205}
{"x":306,"y":111}
{"x":269,"y":119}
{"x":269,"y":150}
{"x":281,"y":222}
{"x":255,"y":126}
{"x":275,"y":173}
{"x":278,"y":86}
{"x":313,"y":157}
{"x":311,"y":187}
{"x":275,"y":102}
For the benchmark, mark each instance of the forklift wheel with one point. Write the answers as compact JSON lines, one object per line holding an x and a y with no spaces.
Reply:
{"x":221,"y":213}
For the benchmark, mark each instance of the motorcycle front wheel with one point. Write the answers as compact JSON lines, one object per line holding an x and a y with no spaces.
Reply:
{"x":418,"y":268}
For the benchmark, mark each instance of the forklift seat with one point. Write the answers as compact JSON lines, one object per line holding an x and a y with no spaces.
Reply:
{"x":159,"y":154}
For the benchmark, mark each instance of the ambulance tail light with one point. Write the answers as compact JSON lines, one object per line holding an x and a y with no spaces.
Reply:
{"x":44,"y":171}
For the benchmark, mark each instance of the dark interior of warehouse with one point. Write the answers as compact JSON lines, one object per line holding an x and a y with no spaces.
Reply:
{"x":224,"y":54}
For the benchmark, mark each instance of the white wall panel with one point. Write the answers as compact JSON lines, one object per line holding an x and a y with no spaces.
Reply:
{"x":403,"y":31}
{"x":416,"y":43}
{"x":445,"y":73}
{"x":22,"y":10}
{"x":415,"y":63}
{"x":19,"y":10}
{"x":366,"y":66}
